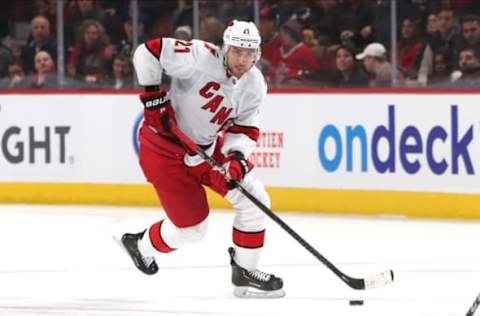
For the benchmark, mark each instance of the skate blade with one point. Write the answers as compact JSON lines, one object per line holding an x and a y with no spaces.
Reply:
{"x":248,"y":292}
{"x":119,"y":243}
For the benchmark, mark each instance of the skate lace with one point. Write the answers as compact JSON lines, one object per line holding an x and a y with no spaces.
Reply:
{"x":260,"y":275}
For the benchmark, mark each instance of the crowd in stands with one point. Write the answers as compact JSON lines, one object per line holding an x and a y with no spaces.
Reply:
{"x":310,"y":43}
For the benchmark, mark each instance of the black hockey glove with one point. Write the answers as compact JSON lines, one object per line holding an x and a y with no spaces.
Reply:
{"x":236,"y":167}
{"x":157,"y":109}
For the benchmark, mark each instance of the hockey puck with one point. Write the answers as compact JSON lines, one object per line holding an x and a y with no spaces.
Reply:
{"x":356,"y":302}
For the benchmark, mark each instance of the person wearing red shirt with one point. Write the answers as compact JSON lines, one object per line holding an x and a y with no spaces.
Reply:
{"x":271,"y":41}
{"x":295,"y":56}
{"x":410,"y":48}
{"x":91,"y":55}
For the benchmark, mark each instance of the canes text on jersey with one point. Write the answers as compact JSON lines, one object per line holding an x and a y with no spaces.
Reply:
{"x":213,"y":105}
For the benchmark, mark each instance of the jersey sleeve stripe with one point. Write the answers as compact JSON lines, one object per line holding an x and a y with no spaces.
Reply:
{"x":155,"y":47}
{"x":252,"y":132}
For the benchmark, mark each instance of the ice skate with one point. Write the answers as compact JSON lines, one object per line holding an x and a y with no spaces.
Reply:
{"x":254,"y":284}
{"x":129,"y":242}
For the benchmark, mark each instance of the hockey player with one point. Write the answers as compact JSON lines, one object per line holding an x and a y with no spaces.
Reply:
{"x":215,"y":99}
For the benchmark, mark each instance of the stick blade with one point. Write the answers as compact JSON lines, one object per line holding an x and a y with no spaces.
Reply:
{"x":379,"y":280}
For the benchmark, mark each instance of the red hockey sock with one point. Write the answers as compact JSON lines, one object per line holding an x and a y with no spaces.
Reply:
{"x":158,"y":243}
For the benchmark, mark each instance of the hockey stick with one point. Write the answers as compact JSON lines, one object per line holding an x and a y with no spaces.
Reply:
{"x":375,"y":281}
{"x":474,"y":306}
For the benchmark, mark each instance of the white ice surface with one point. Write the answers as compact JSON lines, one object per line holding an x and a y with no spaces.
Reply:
{"x":61,"y":260}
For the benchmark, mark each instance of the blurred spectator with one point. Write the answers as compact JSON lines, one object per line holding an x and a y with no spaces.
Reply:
{"x":45,"y":72}
{"x":16,"y":78}
{"x":326,"y":20}
{"x":295,"y":56}
{"x":441,"y":70}
{"x":348,"y":74}
{"x":428,"y":56}
{"x":40,"y":40}
{"x":238,"y":9}
{"x":183,"y":14}
{"x":92,"y":54}
{"x":448,"y":38}
{"x":325,"y":58}
{"x":461,"y":6}
{"x":211,"y":30}
{"x":374,"y":58}
{"x":183,"y":32}
{"x":468,"y":75}
{"x":358,"y":17}
{"x":471,"y":30}
{"x":122,"y":74}
{"x":48,"y":9}
{"x":125,"y":45}
{"x":309,"y":37}
{"x":208,"y":7}
{"x":80,"y":10}
{"x":114,"y":12}
{"x":158,"y":17}
{"x":381,"y":22}
{"x":382,"y":18}
{"x":410,"y":47}
{"x":6,"y":59}
{"x":432,"y":27}
{"x":77,"y":11}
{"x":271,"y":40}
{"x":423,"y":8}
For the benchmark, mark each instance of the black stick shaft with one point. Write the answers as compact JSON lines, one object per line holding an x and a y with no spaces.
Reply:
{"x":358,"y":284}
{"x":474,"y":306}
{"x":351,"y":282}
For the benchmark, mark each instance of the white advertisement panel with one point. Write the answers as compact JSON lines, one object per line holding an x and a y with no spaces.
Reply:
{"x":68,"y":138}
{"x":403,"y":142}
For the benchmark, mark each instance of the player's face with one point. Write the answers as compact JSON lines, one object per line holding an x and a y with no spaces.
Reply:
{"x":240,"y":60}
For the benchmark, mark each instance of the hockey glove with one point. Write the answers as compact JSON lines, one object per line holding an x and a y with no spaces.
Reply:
{"x":236,"y":168}
{"x":157,"y":109}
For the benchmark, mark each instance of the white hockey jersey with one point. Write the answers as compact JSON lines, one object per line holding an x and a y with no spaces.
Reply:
{"x":204,"y":96}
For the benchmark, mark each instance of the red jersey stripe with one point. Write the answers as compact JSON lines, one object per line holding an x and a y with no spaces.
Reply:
{"x":154,"y":46}
{"x":252,"y":132}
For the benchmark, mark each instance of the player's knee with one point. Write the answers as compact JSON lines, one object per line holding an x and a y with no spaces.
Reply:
{"x":257,"y":189}
{"x":193,"y":233}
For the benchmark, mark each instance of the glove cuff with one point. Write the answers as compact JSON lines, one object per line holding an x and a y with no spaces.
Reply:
{"x":240,"y":157}
{"x":155,"y":99}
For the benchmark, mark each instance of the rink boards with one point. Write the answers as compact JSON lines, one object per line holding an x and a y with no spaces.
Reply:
{"x":413,"y":154}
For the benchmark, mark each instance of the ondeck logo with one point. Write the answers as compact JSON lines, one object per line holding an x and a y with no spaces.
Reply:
{"x":411,"y":146}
